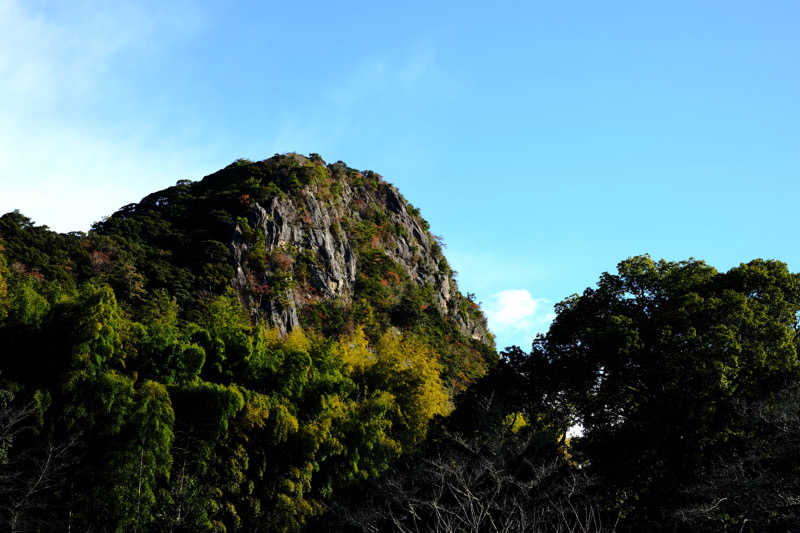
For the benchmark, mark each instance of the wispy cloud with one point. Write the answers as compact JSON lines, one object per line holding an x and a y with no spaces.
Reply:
{"x":379,"y":80}
{"x":380,"y":74}
{"x":515,"y":316}
{"x":86,"y":125}
{"x":58,"y":148}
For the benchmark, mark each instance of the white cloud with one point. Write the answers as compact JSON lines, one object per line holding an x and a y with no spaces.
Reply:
{"x":513,"y":309}
{"x":515,"y":316}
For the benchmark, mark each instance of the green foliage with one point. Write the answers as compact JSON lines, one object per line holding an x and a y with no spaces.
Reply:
{"x":226,"y":342}
{"x":97,"y":329}
{"x":653,"y":361}
{"x":684,"y":383}
{"x":26,"y":306}
{"x":143,"y":460}
{"x":381,"y":281}
{"x":42,"y":253}
{"x":165,"y":352}
{"x":188,"y":412}
{"x":99,"y":403}
{"x":190,"y":362}
{"x":329,"y":317}
{"x":207,"y":407}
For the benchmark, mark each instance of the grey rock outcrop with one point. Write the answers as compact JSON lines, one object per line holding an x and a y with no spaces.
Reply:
{"x":311,"y":222}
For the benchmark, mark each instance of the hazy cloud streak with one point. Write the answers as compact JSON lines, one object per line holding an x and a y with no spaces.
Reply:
{"x":60,"y":149}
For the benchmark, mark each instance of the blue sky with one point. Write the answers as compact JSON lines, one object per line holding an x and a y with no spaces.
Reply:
{"x":545,"y":141}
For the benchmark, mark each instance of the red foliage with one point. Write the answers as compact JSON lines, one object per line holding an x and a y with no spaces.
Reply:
{"x":283,"y":261}
{"x":360,"y":204}
{"x":21,"y":270}
{"x":98,"y":257}
{"x":256,"y":286}
{"x":244,"y":199}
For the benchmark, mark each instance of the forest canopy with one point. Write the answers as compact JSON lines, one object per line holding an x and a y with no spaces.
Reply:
{"x":663,"y":399}
{"x":178,"y":369}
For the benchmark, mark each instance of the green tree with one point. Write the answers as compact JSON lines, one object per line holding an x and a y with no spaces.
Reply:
{"x":98,"y":329}
{"x":228,"y":345}
{"x":28,"y":307}
{"x":651,"y":362}
{"x":141,"y":460}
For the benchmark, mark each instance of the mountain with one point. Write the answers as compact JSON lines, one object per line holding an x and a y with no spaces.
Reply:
{"x":226,"y":354}
{"x":304,"y":244}
{"x":281,"y":346}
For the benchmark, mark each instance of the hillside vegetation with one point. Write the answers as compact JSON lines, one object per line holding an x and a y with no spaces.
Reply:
{"x":196,"y":370}
{"x":282,"y":346}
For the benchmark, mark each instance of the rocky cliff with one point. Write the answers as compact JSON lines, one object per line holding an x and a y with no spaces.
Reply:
{"x":325,"y":228}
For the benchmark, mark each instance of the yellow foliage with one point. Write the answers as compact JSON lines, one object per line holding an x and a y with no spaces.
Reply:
{"x":269,"y":337}
{"x":336,"y":406}
{"x":296,"y":340}
{"x":565,"y":450}
{"x":354,"y":352}
{"x":413,"y":373}
{"x":285,"y":424}
{"x":261,"y":410}
{"x":256,"y":411}
{"x":515,"y":421}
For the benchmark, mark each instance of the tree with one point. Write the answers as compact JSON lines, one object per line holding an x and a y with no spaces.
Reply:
{"x":478,"y":471}
{"x":756,"y":485}
{"x":3,"y":285}
{"x":409,"y":369}
{"x":32,"y":469}
{"x":652,"y":362}
{"x":142,"y":458}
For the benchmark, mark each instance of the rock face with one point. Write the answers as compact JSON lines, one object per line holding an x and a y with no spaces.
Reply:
{"x":325,"y":224}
